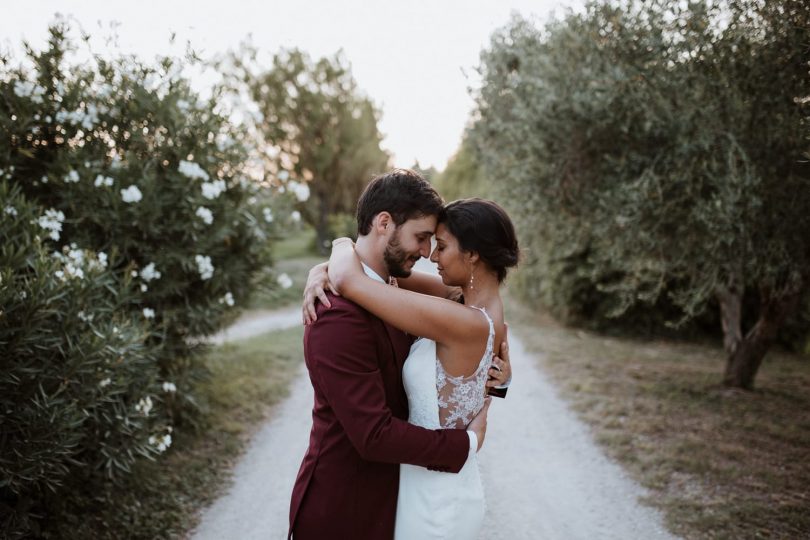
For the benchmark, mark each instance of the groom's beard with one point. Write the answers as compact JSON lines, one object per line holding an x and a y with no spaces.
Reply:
{"x":396,"y":258}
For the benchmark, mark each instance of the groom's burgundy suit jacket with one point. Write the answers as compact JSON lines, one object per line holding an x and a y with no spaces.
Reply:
{"x":348,"y":481}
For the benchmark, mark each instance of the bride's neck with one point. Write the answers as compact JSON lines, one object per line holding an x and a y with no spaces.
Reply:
{"x":483,"y":289}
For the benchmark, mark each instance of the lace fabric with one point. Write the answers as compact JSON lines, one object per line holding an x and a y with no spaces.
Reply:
{"x":460,"y":398}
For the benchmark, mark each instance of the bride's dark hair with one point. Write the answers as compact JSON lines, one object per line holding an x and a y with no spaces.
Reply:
{"x":484,"y":227}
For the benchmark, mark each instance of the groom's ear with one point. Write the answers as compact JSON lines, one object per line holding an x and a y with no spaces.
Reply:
{"x":383,"y":222}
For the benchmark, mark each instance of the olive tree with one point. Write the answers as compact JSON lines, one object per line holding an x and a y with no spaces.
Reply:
{"x":658,"y":152}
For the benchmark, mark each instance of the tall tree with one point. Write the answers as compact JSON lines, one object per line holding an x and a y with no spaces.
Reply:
{"x":666,"y":144}
{"x":321,"y":133}
{"x":463,"y":176}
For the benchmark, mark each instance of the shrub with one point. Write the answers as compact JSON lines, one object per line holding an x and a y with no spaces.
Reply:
{"x":140,"y":165}
{"x":81,"y":397}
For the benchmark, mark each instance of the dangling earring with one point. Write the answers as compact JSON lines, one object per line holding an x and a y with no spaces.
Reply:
{"x":472,"y":278}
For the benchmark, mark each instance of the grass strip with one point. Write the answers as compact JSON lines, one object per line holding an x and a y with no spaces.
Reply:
{"x":720,"y":463}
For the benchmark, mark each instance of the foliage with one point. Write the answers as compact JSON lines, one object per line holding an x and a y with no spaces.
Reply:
{"x":100,"y":356}
{"x":80,"y":390}
{"x":320,"y":133}
{"x":139,"y":164}
{"x":663,"y":144}
{"x":463,"y":177}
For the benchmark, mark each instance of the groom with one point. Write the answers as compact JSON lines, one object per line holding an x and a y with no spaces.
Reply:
{"x":348,"y":481}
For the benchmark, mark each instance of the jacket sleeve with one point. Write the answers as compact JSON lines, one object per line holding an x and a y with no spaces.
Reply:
{"x":342,"y":356}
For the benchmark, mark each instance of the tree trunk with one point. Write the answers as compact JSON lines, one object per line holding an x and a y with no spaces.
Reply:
{"x":745,"y":354}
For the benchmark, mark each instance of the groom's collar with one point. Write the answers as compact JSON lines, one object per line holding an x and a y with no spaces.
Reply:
{"x":371,"y":273}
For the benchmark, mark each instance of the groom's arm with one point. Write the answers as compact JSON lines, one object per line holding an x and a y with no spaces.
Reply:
{"x":342,"y":356}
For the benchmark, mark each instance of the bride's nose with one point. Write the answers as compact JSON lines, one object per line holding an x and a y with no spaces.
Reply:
{"x":434,"y":256}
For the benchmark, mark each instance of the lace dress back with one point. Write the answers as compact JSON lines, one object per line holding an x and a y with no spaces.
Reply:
{"x":460,"y":398}
{"x":431,"y":504}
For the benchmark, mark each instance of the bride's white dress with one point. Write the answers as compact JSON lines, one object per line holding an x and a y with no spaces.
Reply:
{"x":438,"y":505}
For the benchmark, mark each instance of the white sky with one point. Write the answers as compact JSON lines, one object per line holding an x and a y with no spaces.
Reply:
{"x":414,"y":58}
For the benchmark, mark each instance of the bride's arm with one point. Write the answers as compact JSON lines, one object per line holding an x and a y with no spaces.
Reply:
{"x":418,"y":314}
{"x":318,"y":283}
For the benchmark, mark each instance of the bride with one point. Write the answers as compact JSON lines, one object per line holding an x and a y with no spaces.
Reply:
{"x":445,"y":373}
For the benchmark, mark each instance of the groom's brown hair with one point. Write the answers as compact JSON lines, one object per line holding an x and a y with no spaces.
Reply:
{"x":403,"y":193}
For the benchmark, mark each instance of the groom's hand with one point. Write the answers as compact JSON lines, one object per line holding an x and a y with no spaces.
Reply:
{"x":500,"y":372}
{"x":314,"y":291}
{"x":479,"y":423}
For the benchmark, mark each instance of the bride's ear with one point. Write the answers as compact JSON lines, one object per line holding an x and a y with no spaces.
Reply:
{"x":473,"y":257}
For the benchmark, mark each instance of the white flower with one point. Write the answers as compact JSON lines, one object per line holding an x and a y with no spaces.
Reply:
{"x":295,"y":216}
{"x":104,"y":383}
{"x":204,"y":266}
{"x":148,"y":313}
{"x":161,"y":443}
{"x":90,"y":118}
{"x":268,"y":215}
{"x":44,"y":179}
{"x":72,"y":176}
{"x":285,"y":281}
{"x":301,"y":191}
{"x":29,"y":89}
{"x":86,"y":119}
{"x":102,"y":259}
{"x":131,"y":194}
{"x":183,"y":105}
{"x":144,"y":406}
{"x":205,"y":214}
{"x":283,"y":175}
{"x":52,"y":221}
{"x":134,"y":273}
{"x":149,"y":273}
{"x":227,"y":299}
{"x":144,"y":288}
{"x":10,"y":210}
{"x":192,"y":170}
{"x":224,"y":142}
{"x":169,"y":387}
{"x":211,"y":190}
{"x":102,"y":180}
{"x":86,"y":318}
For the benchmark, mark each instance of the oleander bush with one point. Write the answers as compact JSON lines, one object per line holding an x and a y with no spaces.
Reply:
{"x":81,"y":396}
{"x":138,"y":163}
{"x":132,"y":227}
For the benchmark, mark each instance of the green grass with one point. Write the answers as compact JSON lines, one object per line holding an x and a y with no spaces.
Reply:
{"x":299,"y":244}
{"x":720,"y":463}
{"x":162,"y":499}
{"x":293,"y":256}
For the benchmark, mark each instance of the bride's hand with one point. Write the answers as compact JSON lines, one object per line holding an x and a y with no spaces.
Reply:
{"x":479,"y":423}
{"x":315,"y":291}
{"x":344,"y":262}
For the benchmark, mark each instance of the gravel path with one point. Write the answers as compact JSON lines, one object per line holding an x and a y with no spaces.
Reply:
{"x":259,"y":321}
{"x":544,"y":476}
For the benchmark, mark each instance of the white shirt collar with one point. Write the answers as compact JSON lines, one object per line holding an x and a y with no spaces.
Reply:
{"x":371,"y":273}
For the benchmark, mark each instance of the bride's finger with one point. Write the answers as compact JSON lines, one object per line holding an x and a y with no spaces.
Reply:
{"x":332,"y":288}
{"x":322,"y":297}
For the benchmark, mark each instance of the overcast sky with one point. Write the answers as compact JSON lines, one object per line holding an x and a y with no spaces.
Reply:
{"x":414,"y":58}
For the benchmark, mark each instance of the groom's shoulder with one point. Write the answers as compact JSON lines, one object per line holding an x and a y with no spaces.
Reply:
{"x":340,"y":308}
